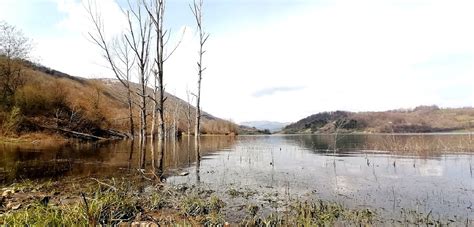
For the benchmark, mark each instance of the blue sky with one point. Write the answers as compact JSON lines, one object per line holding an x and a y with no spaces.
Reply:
{"x":284,"y":59}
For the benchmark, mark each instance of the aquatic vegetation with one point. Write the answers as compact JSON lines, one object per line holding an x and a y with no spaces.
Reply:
{"x":194,"y":205}
{"x":309,"y":213}
{"x":252,"y":209}
{"x":420,"y":144}
{"x":126,"y":201}
{"x":234,"y":193}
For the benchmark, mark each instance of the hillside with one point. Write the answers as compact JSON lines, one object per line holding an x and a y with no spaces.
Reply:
{"x":247,"y":130}
{"x":55,"y":103}
{"x":272,"y":126}
{"x":422,"y":119}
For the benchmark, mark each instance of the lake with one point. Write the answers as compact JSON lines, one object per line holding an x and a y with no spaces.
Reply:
{"x":429,"y":174}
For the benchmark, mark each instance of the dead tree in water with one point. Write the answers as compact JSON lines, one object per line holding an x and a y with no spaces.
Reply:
{"x":188,"y":113}
{"x":124,"y":56}
{"x":156,"y":11}
{"x":197,"y":12}
{"x":138,"y":37}
{"x":118,"y":57}
{"x":176,"y":111}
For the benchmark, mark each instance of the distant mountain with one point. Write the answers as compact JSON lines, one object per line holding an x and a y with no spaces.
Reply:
{"x":422,"y":119}
{"x":272,"y":126}
{"x":246,"y":130}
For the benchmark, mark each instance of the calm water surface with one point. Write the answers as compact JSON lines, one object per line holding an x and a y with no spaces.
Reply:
{"x":432,"y":173}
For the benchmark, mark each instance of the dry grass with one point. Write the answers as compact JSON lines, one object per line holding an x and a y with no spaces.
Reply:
{"x":421,"y":144}
{"x":87,"y":106}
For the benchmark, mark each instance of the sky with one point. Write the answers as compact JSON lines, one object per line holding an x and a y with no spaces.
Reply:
{"x":282,"y":60}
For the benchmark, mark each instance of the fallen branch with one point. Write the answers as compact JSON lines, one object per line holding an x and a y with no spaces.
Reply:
{"x":105,"y":184}
{"x":80,"y":135}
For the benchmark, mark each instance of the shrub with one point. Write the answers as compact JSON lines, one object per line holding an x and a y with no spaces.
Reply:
{"x":12,"y":121}
{"x":40,"y":98}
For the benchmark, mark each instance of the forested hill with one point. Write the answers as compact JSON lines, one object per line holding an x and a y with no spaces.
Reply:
{"x":422,"y":119}
{"x":45,"y":100}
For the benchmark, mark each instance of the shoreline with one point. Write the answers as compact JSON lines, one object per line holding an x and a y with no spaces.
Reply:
{"x":48,"y":137}
{"x":135,"y":199}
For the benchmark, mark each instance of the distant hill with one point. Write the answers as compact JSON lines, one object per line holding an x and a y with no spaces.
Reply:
{"x":422,"y":119}
{"x":272,"y":126}
{"x":246,"y":130}
{"x":49,"y":100}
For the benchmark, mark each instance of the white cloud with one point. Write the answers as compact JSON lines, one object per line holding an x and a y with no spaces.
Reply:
{"x":73,"y":51}
{"x":350,"y":55}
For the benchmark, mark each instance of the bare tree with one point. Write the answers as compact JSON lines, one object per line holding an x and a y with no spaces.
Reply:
{"x":14,"y":48}
{"x":13,"y":43}
{"x":338,"y":126}
{"x":176,"y":111}
{"x":156,"y":12}
{"x":118,"y":55}
{"x":124,"y":56}
{"x":188,"y":113}
{"x":197,"y":12}
{"x":138,"y":37}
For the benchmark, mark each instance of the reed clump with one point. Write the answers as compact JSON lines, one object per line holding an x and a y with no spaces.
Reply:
{"x":421,"y":144}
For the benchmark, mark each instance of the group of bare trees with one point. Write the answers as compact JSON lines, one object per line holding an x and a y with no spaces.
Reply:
{"x":140,"y":54}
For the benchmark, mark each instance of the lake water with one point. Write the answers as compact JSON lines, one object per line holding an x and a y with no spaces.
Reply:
{"x":390,"y":173}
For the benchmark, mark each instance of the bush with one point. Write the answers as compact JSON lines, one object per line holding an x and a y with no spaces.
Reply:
{"x":12,"y":121}
{"x":36,"y":98}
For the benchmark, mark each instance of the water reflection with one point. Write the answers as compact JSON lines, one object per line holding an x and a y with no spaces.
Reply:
{"x":306,"y":166}
{"x":328,"y":143}
{"x":428,"y":145}
{"x":102,"y":159}
{"x":428,"y":173}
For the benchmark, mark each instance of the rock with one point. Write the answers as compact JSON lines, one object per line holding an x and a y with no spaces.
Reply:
{"x":12,"y":206}
{"x":143,"y":224}
{"x":8,"y":192}
{"x":183,"y":174}
{"x":16,"y":207}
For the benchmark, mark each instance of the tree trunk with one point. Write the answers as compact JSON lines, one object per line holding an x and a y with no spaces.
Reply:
{"x":130,"y":109}
{"x":161,"y":106}
{"x":197,"y":127}
{"x":197,"y":11}
{"x":143,"y":109}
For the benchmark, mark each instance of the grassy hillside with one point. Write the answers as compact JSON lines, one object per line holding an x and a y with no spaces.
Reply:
{"x":419,"y":120}
{"x":52,"y":102}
